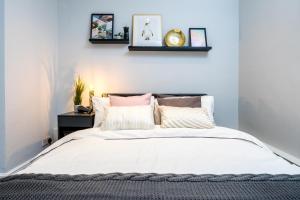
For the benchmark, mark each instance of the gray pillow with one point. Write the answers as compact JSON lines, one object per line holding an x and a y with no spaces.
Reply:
{"x":191,"y":102}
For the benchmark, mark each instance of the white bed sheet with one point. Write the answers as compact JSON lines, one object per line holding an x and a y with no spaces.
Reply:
{"x":180,"y":151}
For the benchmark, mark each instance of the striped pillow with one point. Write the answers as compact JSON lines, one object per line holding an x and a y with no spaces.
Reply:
{"x":176,"y":117}
{"x":128,"y":118}
{"x":207,"y":102}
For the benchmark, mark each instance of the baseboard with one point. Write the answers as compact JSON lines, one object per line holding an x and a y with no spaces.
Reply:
{"x":285,"y":155}
{"x":15,"y":169}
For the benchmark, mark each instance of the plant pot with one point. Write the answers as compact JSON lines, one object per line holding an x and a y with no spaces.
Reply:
{"x":76,"y":108}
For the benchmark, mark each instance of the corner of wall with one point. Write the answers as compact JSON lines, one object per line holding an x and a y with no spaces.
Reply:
{"x":2,"y":89}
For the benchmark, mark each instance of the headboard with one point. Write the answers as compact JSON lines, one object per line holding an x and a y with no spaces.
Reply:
{"x":155,"y":94}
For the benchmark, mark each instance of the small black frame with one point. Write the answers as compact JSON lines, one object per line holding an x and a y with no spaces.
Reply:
{"x":190,"y":38}
{"x":91,"y":28}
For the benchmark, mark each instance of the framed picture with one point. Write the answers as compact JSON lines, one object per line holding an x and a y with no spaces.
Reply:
{"x":102,"y":26}
{"x":198,"y":37}
{"x":147,"y":30}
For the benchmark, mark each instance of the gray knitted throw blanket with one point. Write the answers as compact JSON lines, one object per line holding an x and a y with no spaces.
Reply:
{"x":150,"y":186}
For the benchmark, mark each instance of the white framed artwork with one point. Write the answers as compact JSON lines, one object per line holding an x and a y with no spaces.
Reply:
{"x":198,"y":37}
{"x":147,"y":30}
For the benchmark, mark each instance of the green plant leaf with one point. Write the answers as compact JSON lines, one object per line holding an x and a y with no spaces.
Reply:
{"x":79,"y":88}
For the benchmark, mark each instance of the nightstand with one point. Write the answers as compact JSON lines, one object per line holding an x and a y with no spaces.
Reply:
{"x":71,"y":122}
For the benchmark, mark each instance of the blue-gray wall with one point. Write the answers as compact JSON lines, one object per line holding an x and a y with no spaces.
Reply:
{"x":2,"y":88}
{"x":269,"y":72}
{"x":111,"y":68}
{"x":40,"y":86}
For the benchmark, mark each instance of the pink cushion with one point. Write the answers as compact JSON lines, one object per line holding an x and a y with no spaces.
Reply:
{"x":131,"y":101}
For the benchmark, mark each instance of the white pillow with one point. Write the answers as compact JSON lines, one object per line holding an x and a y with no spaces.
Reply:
{"x":98,"y":104}
{"x":128,"y":118}
{"x":183,"y":117}
{"x":208,"y":102}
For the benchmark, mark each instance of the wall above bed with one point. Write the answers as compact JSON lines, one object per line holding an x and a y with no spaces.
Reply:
{"x":111,"y":68}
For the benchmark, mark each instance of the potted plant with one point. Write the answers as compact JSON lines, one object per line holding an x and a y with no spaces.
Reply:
{"x":78,"y":88}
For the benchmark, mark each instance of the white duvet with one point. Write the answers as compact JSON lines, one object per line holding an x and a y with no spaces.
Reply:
{"x":180,"y":151}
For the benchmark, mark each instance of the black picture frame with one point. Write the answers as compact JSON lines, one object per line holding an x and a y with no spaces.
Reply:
{"x":99,"y":37}
{"x":190,"y":36}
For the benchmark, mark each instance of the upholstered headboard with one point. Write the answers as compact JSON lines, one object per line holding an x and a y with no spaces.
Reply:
{"x":156,"y":94}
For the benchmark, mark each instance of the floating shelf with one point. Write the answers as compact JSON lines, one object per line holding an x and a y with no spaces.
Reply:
{"x":109,"y":41}
{"x":165,"y":48}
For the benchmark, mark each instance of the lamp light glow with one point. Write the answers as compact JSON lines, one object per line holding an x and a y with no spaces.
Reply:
{"x":91,"y":94}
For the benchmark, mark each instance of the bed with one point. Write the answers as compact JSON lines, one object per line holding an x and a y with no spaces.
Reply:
{"x":218,"y":163}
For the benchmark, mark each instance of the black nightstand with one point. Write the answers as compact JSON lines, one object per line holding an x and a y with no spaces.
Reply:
{"x":71,"y":122}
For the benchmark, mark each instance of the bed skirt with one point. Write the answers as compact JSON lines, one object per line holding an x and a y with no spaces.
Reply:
{"x":150,"y":186}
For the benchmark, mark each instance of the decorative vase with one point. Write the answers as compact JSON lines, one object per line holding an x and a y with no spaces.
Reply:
{"x":76,"y":108}
{"x":126,"y":33}
{"x":175,"y":38}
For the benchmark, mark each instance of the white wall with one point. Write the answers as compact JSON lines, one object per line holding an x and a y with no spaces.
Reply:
{"x":30,"y":50}
{"x":111,"y":68}
{"x":2,"y":90}
{"x":269,"y":72}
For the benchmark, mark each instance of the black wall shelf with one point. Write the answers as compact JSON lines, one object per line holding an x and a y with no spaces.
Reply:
{"x":109,"y":41}
{"x":165,"y":48}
